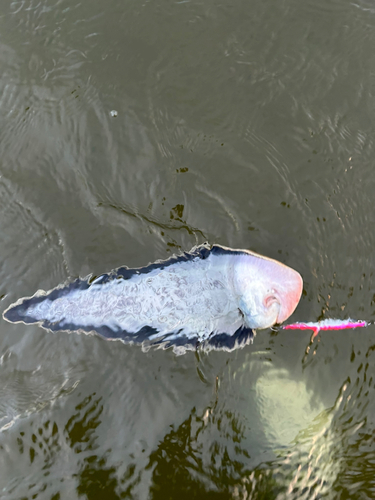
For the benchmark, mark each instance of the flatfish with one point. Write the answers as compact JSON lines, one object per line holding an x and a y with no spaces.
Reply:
{"x":215,"y":296}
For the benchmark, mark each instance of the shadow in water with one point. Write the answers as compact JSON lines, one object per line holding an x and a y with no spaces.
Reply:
{"x":181,"y":470}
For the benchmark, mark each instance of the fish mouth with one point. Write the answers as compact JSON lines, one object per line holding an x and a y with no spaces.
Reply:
{"x":268,"y":317}
{"x":269,"y":300}
{"x":273,"y":305}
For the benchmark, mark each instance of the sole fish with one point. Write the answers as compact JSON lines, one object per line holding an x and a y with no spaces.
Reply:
{"x":214,"y":296}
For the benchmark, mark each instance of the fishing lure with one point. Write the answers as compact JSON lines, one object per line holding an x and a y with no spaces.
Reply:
{"x":211,"y":295}
{"x":327,"y":324}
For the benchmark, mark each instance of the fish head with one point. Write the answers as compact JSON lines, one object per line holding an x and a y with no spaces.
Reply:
{"x":268,"y":292}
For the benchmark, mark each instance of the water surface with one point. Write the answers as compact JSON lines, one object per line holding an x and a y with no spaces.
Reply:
{"x":131,"y":131}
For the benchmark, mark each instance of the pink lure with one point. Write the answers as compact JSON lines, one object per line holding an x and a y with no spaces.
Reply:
{"x":327,"y":324}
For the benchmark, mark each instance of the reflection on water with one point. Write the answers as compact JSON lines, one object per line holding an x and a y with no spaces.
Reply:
{"x":248,"y":124}
{"x":285,"y":406}
{"x":263,"y":434}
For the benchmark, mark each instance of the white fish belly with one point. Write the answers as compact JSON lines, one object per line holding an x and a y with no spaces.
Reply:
{"x":190,"y":297}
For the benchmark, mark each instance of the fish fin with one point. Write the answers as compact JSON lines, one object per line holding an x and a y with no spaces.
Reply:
{"x":148,"y":337}
{"x":200,"y":251}
{"x":18,"y":312}
{"x":225,"y":342}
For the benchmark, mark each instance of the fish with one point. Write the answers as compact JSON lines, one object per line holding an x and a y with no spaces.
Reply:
{"x":213,"y":296}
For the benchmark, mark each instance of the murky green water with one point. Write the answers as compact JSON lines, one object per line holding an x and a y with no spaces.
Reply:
{"x":131,"y":130}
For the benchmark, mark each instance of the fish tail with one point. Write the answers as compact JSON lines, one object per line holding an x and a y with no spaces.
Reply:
{"x":28,"y":309}
{"x":17,"y":312}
